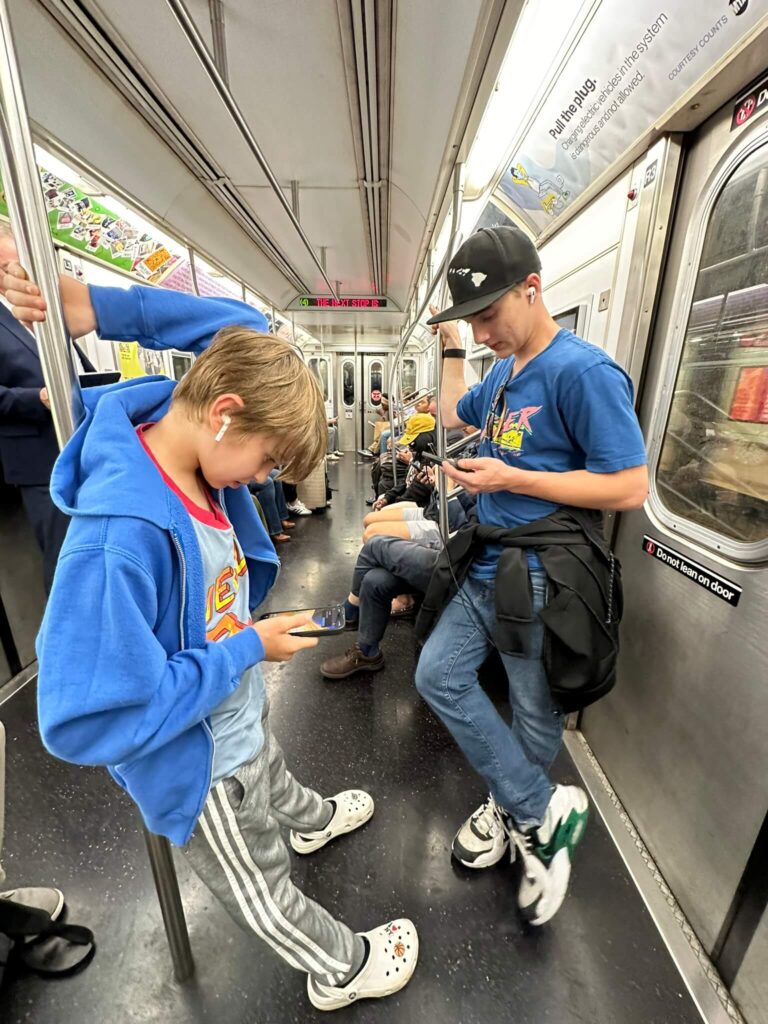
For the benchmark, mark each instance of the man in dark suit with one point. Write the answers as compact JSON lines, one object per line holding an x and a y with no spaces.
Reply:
{"x":28,"y":446}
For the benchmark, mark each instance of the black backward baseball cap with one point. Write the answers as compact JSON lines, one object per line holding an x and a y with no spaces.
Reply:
{"x":487,"y":265}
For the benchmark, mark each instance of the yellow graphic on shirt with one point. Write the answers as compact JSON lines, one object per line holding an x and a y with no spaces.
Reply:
{"x":510,"y":429}
{"x":222,"y":594}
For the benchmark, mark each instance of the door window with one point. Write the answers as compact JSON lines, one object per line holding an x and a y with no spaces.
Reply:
{"x":348,"y":383}
{"x":713,"y":466}
{"x":375,"y":382}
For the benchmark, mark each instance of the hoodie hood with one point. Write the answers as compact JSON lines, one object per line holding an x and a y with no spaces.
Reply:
{"x":99,"y":469}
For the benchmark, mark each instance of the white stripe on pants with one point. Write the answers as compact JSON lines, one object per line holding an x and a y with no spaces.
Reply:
{"x":237,"y":850}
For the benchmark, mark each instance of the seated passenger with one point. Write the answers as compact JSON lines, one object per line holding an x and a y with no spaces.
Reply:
{"x":389,"y":567}
{"x":386,"y":567}
{"x":271,"y":499}
{"x":382,"y":473}
{"x":163,"y":684}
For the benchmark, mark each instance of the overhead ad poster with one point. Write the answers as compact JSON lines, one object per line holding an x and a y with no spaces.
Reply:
{"x":83,"y":223}
{"x":632,"y":63}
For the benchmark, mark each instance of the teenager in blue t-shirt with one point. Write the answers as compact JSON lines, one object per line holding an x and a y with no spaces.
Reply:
{"x":559,"y":428}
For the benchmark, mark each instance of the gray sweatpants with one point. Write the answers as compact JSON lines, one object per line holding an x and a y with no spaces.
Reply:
{"x":237,"y":850}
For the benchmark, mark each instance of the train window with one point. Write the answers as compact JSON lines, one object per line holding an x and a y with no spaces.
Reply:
{"x":181,"y":362}
{"x":567,"y":319}
{"x":319,"y":368}
{"x":713,"y":465}
{"x":348,"y":382}
{"x":409,"y":376}
{"x":375,"y":382}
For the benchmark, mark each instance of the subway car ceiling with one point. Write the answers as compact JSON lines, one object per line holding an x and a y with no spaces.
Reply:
{"x":363,"y":123}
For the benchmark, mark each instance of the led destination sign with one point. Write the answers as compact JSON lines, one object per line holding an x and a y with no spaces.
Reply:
{"x":326,"y":302}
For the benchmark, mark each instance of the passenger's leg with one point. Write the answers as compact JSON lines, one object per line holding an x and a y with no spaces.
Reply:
{"x":238,"y":852}
{"x":446,"y":677}
{"x":384,"y":437}
{"x":536,"y":721}
{"x":387,"y":529}
{"x":265,"y":493}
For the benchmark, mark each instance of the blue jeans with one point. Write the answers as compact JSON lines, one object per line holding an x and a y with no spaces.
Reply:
{"x":386,"y":567}
{"x":383,"y":438}
{"x":272,"y":500}
{"x":512,"y":759}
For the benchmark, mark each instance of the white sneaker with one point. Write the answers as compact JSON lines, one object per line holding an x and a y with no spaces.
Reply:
{"x":393,"y":951}
{"x":339,"y":454}
{"x":547,"y":852}
{"x":331,"y":458}
{"x":353,"y":809}
{"x":298,"y":508}
{"x":483,"y":838}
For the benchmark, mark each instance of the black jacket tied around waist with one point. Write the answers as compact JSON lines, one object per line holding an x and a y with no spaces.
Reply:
{"x":584,"y":603}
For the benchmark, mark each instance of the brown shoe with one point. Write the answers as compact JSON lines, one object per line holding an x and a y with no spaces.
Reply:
{"x":287,"y":524}
{"x":280,"y":538}
{"x":351,"y":662}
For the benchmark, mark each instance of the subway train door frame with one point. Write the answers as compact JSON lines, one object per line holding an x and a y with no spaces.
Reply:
{"x":682,"y":737}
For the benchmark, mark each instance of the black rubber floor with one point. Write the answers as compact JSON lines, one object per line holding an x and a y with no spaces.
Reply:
{"x":599,"y":961}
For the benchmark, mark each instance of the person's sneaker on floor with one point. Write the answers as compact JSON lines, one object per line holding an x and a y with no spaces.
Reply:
{"x":483,"y":839}
{"x":546,"y":853}
{"x":351,"y":662}
{"x":332,"y":458}
{"x":298,"y":508}
{"x":338,"y":453}
{"x":350,"y":810}
{"x":365,"y":453}
{"x":392,"y":952}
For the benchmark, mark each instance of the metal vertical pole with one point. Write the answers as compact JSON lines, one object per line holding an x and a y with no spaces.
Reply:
{"x":458,"y":195}
{"x":30,"y":222}
{"x":193,"y":270}
{"x":358,"y":378}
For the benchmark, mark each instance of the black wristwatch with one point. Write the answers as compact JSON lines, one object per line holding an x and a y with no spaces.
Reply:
{"x":454,"y":353}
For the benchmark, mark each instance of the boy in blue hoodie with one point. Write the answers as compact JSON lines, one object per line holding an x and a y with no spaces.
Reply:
{"x":149,"y":657}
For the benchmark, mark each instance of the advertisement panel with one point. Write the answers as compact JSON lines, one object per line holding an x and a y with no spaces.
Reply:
{"x":631,"y":64}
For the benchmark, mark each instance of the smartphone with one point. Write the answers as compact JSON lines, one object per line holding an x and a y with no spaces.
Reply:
{"x":97,"y":380}
{"x":325,"y":621}
{"x":437,"y":460}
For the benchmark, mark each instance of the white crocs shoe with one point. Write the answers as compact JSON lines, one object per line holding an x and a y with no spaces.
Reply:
{"x":353,"y":809}
{"x":393,"y":951}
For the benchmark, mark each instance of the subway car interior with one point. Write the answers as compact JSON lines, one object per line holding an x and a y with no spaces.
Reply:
{"x":320,"y":162}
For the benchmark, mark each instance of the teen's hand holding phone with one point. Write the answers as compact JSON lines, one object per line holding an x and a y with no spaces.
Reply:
{"x":280,"y":644}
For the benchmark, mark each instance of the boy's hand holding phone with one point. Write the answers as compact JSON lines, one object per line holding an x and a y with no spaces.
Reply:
{"x":279,"y":643}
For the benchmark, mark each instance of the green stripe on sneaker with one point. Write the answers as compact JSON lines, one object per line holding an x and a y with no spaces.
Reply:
{"x":566,"y":836}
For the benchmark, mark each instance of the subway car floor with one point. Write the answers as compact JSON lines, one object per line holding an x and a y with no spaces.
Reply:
{"x":600,"y":960}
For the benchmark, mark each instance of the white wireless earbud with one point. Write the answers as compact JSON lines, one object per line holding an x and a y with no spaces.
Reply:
{"x":226,"y":420}
{"x":531,"y":293}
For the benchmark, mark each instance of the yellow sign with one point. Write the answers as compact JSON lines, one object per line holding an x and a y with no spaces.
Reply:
{"x":156,"y":259}
{"x":130,"y":364}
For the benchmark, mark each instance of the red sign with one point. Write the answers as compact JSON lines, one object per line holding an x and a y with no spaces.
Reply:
{"x":756,"y":101}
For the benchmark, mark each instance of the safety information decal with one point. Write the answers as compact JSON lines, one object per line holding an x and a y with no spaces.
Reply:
{"x":717,"y":585}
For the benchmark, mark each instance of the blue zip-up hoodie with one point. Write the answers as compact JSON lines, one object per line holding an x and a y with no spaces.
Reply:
{"x":127,"y":678}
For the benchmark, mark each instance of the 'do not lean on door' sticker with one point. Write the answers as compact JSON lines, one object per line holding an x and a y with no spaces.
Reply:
{"x":725,"y":589}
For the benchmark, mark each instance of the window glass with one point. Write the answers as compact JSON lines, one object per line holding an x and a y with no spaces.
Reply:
{"x":375,"y":382}
{"x":181,"y":363}
{"x":567,"y":319}
{"x":409,"y":376}
{"x":348,"y":382}
{"x":319,"y":368}
{"x":713,"y":467}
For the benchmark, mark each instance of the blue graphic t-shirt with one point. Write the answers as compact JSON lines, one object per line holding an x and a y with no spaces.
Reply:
{"x":569,"y":408}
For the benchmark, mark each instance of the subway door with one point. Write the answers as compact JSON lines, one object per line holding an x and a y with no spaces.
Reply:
{"x":375,"y":377}
{"x":682,"y":738}
{"x":346,"y":390}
